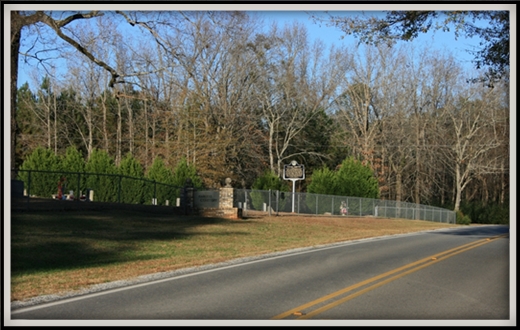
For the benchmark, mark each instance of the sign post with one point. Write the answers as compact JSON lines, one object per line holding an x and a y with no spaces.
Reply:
{"x":293,"y":172}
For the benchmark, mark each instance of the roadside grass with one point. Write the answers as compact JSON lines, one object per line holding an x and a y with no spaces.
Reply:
{"x":58,"y":252}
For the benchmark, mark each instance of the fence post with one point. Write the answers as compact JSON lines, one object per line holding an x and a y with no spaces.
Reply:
{"x":119,"y":189}
{"x":78,"y":193}
{"x":29,"y":185}
{"x":154,"y":200}
{"x":269,"y":202}
{"x":245,"y":201}
{"x":277,"y":201}
{"x":28,"y":189}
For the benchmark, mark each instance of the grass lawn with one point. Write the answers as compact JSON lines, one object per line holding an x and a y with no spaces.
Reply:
{"x":57,"y":252}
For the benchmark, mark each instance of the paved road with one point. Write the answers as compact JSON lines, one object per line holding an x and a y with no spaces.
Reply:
{"x":457,"y":275}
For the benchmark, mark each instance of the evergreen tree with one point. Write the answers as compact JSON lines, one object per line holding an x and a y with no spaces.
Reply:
{"x":132,"y":183}
{"x":73,"y":161}
{"x":41,"y":184}
{"x":162,"y":186}
{"x":183,"y":171}
{"x":352,"y":179}
{"x":27,"y":123}
{"x":268,"y":181}
{"x":355,"y":179}
{"x":102,"y":176}
{"x":322,"y":182}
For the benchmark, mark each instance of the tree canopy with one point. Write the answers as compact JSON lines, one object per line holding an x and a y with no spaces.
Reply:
{"x":352,"y":178}
{"x":491,"y":26}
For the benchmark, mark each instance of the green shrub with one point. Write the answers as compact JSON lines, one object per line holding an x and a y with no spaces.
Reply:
{"x":162,"y":189}
{"x":486,"y":214}
{"x":268,"y":181}
{"x":102,"y":176}
{"x":462,"y":219}
{"x":352,"y":179}
{"x":41,"y":184}
{"x":356,"y":180}
{"x":182,"y":171}
{"x":132,"y":183}
{"x":73,"y":161}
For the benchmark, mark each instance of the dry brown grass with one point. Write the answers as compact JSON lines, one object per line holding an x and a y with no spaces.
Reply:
{"x":80,"y":250}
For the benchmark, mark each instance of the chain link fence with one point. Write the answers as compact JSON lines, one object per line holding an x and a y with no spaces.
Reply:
{"x":117,"y":188}
{"x":274,"y":202}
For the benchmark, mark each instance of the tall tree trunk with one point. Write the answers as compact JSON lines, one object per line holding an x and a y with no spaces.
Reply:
{"x":105,"y":129}
{"x":417,"y":188}
{"x":485,"y":198}
{"x":458,"y":187}
{"x":503,"y":186}
{"x":131,"y":136}
{"x":146,"y":134}
{"x":55,"y":124}
{"x":119,"y":132}
{"x":48,"y":124}
{"x":16,"y":34}
{"x":443,"y":192}
{"x":271,"y":154}
{"x":399,"y":187}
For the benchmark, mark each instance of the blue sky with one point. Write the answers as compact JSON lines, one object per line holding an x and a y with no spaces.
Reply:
{"x":332,"y":35}
{"x":287,"y":13}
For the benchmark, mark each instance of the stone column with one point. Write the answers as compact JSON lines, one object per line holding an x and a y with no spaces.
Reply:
{"x":226,"y":196}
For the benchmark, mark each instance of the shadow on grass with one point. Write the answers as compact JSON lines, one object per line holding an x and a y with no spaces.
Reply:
{"x":53,"y":241}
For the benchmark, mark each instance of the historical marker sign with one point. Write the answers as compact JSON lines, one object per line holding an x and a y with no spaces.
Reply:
{"x":293,"y":172}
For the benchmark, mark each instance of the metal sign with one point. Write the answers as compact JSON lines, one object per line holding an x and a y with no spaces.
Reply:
{"x":293,"y":171}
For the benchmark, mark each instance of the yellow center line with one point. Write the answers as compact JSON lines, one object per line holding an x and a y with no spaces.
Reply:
{"x":417,"y":264}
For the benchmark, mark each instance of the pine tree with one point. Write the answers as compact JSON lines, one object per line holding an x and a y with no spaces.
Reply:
{"x":322,"y":182}
{"x":41,"y":184}
{"x":132,"y":183}
{"x":73,"y":161}
{"x":352,"y":179}
{"x":102,"y":176}
{"x":162,"y":186}
{"x":355,"y":179}
{"x":27,"y":123}
{"x":183,"y":171}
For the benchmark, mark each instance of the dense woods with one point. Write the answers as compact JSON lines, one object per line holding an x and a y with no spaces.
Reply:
{"x":233,"y":97}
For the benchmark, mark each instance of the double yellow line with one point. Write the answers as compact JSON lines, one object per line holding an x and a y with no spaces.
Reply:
{"x":301,"y":312}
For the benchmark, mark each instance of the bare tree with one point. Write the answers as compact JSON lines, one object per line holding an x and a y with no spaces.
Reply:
{"x":45,"y":111}
{"x":296,"y":83}
{"x":368,"y":96}
{"x":62,"y":25}
{"x":470,"y":123}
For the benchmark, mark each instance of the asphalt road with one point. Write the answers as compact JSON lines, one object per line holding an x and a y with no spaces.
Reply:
{"x":455,"y":275}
